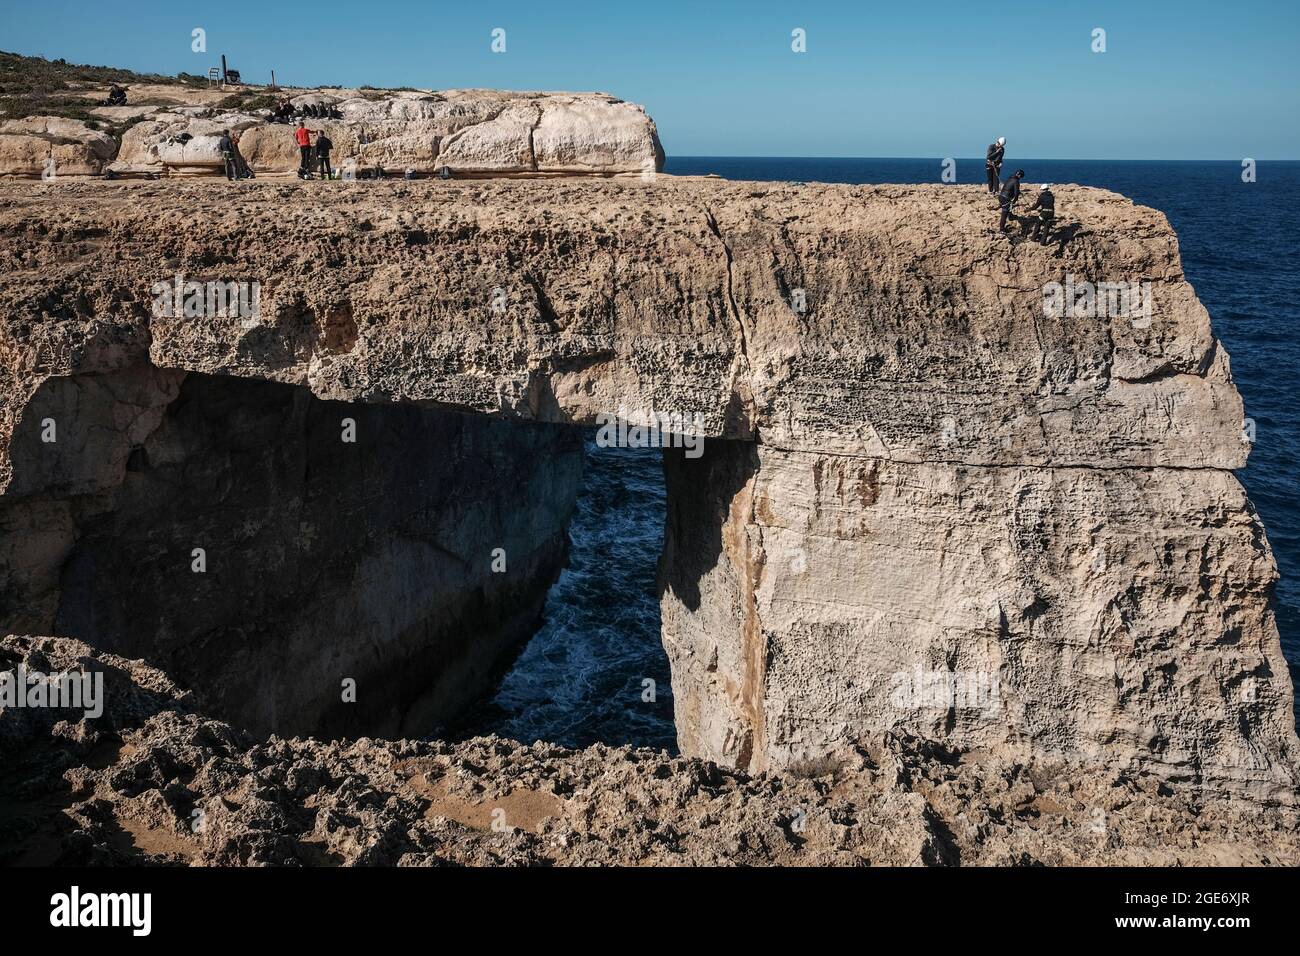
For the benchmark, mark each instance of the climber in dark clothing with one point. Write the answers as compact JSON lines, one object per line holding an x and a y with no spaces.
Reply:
{"x":227,"y":146}
{"x":242,"y":169}
{"x":993,"y":163}
{"x":1046,"y":206}
{"x":116,"y":96}
{"x":323,"y":147}
{"x":1007,"y":197}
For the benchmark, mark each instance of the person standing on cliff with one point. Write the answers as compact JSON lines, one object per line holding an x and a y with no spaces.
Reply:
{"x":993,"y":163}
{"x":227,"y":146}
{"x":323,"y":146}
{"x":1007,"y":197}
{"x":302,"y":136}
{"x":1046,"y":206}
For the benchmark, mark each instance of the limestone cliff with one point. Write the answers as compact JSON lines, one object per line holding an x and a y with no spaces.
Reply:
{"x":913,"y":468}
{"x":36,"y":146}
{"x":176,"y":131}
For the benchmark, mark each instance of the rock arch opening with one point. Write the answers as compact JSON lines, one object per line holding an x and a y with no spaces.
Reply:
{"x":596,"y":670}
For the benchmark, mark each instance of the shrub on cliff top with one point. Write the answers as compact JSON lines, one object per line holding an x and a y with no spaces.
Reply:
{"x":35,"y":86}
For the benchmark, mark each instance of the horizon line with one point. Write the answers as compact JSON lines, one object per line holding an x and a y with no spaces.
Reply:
{"x":1027,"y":159}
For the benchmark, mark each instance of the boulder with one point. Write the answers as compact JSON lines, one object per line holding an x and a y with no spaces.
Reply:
{"x":504,"y":144}
{"x":595,"y":135}
{"x":28,"y":145}
{"x":271,"y":148}
{"x":196,"y":154}
{"x":168,"y":141}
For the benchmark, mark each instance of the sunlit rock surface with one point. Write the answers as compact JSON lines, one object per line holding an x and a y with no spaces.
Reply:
{"x":910,"y":467}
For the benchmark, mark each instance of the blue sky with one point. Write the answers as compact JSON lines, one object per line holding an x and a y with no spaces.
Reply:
{"x":1179,"y":80}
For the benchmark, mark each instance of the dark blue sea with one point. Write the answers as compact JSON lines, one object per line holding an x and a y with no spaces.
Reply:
{"x":581,"y":678}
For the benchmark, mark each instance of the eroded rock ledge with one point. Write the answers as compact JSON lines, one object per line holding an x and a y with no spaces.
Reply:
{"x":177,"y":131}
{"x":156,"y":781}
{"x":922,"y":339}
{"x":915,"y":471}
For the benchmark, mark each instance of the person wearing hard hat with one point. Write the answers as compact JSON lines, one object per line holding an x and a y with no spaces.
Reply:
{"x":1046,"y":206}
{"x":993,"y":163}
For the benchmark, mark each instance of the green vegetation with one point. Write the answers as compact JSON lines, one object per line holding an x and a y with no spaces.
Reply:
{"x":32,"y":72}
{"x":247,"y":100}
{"x":32,"y":85}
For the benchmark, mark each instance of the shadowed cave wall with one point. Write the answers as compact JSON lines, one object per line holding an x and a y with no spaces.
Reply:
{"x":325,"y":559}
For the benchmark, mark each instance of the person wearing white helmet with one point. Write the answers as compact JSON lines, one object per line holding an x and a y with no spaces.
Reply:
{"x":993,"y":163}
{"x":1046,"y":206}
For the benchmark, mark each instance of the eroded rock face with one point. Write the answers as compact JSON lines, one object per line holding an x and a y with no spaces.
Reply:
{"x":37,"y":146}
{"x":468,"y":132}
{"x":923,"y":469}
{"x":156,"y":779}
{"x":1112,"y":615}
{"x":271,"y":547}
{"x":184,"y":144}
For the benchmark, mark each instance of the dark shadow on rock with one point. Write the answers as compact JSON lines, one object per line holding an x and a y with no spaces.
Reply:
{"x":1063,"y":236}
{"x":340,"y":542}
{"x":700,"y":492}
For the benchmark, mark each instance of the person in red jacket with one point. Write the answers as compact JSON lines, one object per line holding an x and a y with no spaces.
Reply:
{"x":302,"y":136}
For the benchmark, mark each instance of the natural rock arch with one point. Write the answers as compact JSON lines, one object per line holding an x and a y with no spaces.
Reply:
{"x":919,"y":471}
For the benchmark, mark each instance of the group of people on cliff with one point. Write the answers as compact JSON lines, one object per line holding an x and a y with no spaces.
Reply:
{"x":1008,"y":194}
{"x":313,"y":156}
{"x":284,"y":111}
